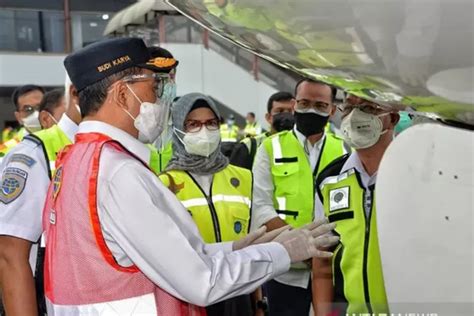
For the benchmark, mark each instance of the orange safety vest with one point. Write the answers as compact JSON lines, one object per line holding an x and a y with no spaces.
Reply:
{"x":81,"y":275}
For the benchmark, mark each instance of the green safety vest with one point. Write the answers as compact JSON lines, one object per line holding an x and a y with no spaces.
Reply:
{"x":225,"y":214}
{"x":251,"y":129}
{"x":52,"y":140}
{"x":357,"y":268}
{"x":159,"y":159}
{"x":293,"y":196}
{"x":229,"y":134}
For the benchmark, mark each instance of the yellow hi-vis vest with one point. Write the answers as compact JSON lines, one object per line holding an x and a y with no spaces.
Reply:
{"x":229,"y":134}
{"x":293,"y":179}
{"x":225,"y":214}
{"x":159,"y":159}
{"x":251,"y":129}
{"x":52,"y":140}
{"x":357,"y":268}
{"x":16,"y":138}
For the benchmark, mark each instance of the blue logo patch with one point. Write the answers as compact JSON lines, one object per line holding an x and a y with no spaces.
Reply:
{"x":237,"y":227}
{"x":13,"y":184}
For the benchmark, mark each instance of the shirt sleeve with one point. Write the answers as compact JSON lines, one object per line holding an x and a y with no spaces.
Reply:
{"x":25,"y":182}
{"x":263,"y":209}
{"x":318,"y":208}
{"x":212,"y":249}
{"x":151,"y":228}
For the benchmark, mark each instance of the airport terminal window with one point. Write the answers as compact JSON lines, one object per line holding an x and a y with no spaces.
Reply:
{"x":44,"y":31}
{"x":20,"y":30}
{"x":88,"y":27}
{"x":53,"y":30}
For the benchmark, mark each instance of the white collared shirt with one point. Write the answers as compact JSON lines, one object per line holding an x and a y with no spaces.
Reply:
{"x":353,"y":162}
{"x":144,"y":224}
{"x":263,"y":208}
{"x":21,"y":217}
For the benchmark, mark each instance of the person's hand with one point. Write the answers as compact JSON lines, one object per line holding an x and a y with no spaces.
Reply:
{"x":305,"y":242}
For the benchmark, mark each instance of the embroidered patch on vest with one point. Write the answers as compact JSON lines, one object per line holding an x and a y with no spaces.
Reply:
{"x":24,"y":159}
{"x":237,"y":227}
{"x":338,"y":199}
{"x":13,"y":184}
{"x":57,"y":182}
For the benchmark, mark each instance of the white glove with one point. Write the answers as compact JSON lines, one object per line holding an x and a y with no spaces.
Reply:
{"x":304,"y":243}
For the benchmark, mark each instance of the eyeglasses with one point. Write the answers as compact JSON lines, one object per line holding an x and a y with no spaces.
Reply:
{"x":304,"y":104}
{"x":194,"y":126}
{"x":159,"y":84}
{"x":28,"y":109}
{"x":369,"y":108}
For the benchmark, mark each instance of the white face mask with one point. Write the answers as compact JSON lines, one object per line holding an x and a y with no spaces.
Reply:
{"x":31,"y":122}
{"x":151,"y":120}
{"x":202,"y":143}
{"x":362,"y":130}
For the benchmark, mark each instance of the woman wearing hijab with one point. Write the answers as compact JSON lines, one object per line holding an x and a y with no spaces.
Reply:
{"x":216,"y":194}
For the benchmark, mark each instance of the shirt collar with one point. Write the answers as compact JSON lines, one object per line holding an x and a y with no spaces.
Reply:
{"x":128,"y":141}
{"x":353,"y":162}
{"x":304,"y":140}
{"x":68,"y":127}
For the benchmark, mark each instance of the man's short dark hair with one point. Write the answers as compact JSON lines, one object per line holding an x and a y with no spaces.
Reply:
{"x":333,"y":89}
{"x":20,"y":91}
{"x":92,"y":97}
{"x":251,"y":114}
{"x":280,"y":96}
{"x":51,"y":100}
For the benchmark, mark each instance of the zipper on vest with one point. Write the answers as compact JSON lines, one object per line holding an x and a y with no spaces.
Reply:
{"x":368,"y":200}
{"x":212,"y":209}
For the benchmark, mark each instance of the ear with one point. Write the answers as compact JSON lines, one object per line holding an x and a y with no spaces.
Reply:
{"x":45,"y":119}
{"x":18,"y":117}
{"x":73,"y":96}
{"x":394,"y":119}
{"x":120,"y":96}
{"x":269,"y":118}
{"x":333,"y":110}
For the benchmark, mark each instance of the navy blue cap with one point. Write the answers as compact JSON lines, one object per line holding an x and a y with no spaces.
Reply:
{"x":103,"y":59}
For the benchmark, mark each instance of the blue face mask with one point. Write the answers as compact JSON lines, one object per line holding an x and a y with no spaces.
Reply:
{"x":404,"y":123}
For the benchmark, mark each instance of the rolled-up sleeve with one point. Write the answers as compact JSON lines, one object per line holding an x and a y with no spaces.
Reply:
{"x":144,"y":222}
{"x":263,"y":209}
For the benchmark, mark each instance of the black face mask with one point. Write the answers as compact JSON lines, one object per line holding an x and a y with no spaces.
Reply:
{"x":283,"y":121}
{"x":310,"y":123}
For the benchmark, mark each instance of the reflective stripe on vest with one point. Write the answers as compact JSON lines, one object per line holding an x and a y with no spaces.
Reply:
{"x":225,"y":215}
{"x":292,"y":176}
{"x":81,"y":274}
{"x":142,"y":305}
{"x":357,"y":268}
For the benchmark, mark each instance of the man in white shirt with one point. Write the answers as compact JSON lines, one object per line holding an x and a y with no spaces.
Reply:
{"x":128,"y":231}
{"x":26,"y":173}
{"x":284,"y":170}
